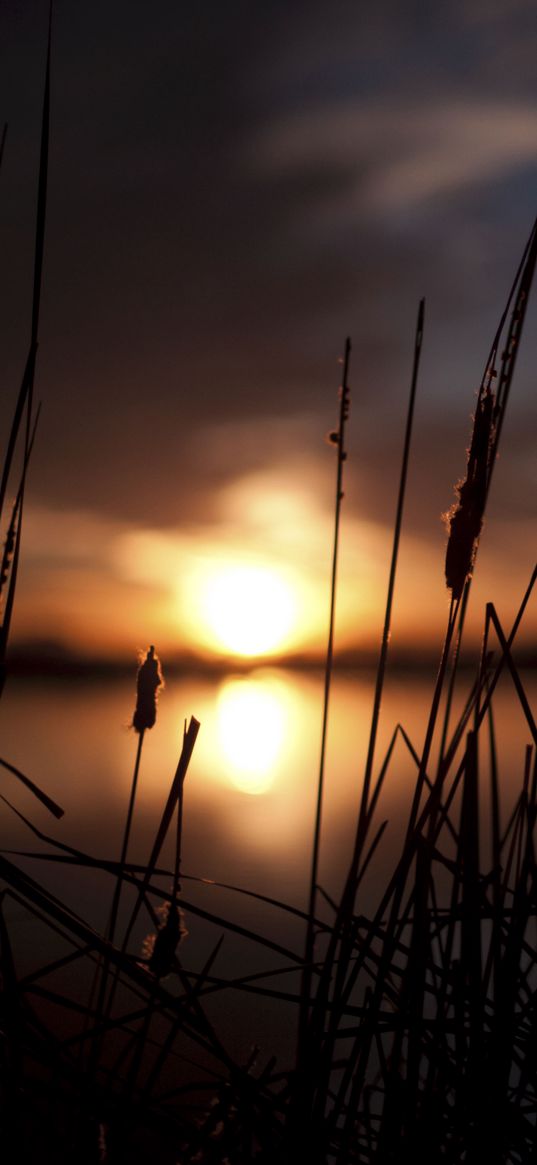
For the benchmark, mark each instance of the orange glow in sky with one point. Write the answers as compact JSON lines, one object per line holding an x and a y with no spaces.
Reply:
{"x":254,"y":586}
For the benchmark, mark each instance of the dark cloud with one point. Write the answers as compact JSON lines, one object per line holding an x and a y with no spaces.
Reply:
{"x":233,"y":189}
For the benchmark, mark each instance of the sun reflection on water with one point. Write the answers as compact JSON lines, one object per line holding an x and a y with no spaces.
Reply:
{"x":251,"y":722}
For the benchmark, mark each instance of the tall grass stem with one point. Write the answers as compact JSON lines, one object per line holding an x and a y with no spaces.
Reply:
{"x":310,"y":928}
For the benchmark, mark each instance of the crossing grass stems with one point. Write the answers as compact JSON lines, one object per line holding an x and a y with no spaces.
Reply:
{"x":418,"y":1020}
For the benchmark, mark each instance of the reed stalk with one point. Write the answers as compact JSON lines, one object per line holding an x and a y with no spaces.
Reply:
{"x":338,"y":439}
{"x":419,"y":1039}
{"x":519,"y":297}
{"x":386,"y":631}
{"x":340,"y":933}
{"x":465,"y":529}
{"x":149,"y":680}
{"x":25,"y":397}
{"x":103,"y":1007}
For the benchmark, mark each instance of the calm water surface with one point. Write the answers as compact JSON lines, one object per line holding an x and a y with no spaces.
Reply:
{"x":250,"y":790}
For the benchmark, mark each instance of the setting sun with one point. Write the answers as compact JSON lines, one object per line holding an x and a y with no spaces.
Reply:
{"x":249,"y":609}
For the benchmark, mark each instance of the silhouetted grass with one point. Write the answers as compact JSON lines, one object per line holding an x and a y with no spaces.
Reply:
{"x":416,"y":1020}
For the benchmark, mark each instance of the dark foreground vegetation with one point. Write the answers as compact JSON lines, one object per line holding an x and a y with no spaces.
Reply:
{"x":416,"y":1022}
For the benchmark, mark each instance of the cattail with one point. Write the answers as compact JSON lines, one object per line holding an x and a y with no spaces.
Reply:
{"x":159,"y":949}
{"x":9,"y":549}
{"x":148,"y":682}
{"x":465,"y":518}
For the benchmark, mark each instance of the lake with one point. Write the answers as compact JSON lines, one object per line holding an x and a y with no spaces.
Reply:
{"x":249,"y":794}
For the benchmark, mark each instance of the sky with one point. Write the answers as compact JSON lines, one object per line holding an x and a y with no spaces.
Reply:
{"x":233,"y":189}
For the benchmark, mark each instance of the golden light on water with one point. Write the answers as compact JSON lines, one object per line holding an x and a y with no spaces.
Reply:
{"x":249,"y":609}
{"x":251,"y":721}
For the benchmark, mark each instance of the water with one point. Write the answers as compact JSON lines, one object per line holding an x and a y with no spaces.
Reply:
{"x":249,"y":795}
{"x":251,"y":787}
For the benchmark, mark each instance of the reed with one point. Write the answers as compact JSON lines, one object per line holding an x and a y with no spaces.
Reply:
{"x":24,"y":408}
{"x":148,"y":681}
{"x":341,"y":965}
{"x":415,"y":1019}
{"x":337,"y":438}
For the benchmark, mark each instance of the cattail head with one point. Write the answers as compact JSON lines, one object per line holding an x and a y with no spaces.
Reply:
{"x":9,"y":546}
{"x":148,"y":682}
{"x":7,"y":557}
{"x":465,"y":518}
{"x":159,"y":949}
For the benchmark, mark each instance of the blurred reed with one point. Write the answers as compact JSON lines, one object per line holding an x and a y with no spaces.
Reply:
{"x":416,"y":1021}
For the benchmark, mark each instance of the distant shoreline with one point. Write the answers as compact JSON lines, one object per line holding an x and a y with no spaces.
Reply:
{"x":60,"y":663}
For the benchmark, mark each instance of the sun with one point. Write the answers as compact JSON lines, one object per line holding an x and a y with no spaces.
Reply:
{"x":249,"y":609}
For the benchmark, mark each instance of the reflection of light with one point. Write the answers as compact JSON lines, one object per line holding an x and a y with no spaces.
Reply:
{"x":250,"y":609}
{"x":250,"y":722}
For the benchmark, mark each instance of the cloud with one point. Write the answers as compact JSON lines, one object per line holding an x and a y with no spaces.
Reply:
{"x":405,"y":157}
{"x":57,"y":538}
{"x":230,"y":195}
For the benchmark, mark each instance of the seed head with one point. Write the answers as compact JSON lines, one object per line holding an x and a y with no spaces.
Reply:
{"x":159,"y":949}
{"x":148,"y":682}
{"x":465,"y":518}
{"x":9,"y":548}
